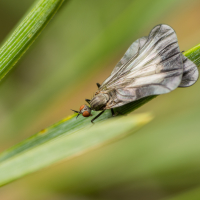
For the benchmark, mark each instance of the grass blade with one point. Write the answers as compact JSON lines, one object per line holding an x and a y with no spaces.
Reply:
{"x":46,"y":148}
{"x":25,"y":34}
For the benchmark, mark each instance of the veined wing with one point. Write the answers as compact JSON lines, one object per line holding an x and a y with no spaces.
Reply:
{"x":149,"y":58}
{"x":132,"y":52}
{"x":152,"y":65}
{"x":190,"y":73}
{"x":155,"y":84}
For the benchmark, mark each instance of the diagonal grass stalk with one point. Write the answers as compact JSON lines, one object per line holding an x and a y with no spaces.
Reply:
{"x":26,"y":33}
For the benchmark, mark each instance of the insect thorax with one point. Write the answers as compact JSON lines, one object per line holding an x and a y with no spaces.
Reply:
{"x":99,"y":101}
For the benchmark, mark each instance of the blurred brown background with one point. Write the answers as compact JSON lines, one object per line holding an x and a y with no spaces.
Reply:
{"x":78,"y":48}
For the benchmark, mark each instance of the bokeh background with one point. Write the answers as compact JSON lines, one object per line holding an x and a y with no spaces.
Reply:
{"x":79,"y":47}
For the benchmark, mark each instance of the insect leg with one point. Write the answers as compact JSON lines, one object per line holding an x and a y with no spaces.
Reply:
{"x":98,"y":85}
{"x":88,"y":101}
{"x":97,"y":116}
{"x":112,"y":111}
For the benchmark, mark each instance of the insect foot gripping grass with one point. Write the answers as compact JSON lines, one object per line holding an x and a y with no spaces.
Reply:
{"x":152,"y":65}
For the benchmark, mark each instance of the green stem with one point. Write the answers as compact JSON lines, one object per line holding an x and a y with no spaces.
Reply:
{"x":25,"y":34}
{"x":194,"y":54}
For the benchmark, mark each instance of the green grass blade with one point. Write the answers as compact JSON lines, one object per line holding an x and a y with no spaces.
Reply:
{"x":25,"y":34}
{"x":194,"y":54}
{"x":58,"y":142}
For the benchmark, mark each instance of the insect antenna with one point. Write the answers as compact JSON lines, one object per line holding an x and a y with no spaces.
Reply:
{"x":76,"y":112}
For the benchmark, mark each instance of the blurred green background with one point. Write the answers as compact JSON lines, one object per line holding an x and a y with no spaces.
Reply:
{"x":78,"y":48}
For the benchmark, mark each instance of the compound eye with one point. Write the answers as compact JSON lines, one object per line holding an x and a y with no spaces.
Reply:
{"x":86,"y":114}
{"x":83,"y":106}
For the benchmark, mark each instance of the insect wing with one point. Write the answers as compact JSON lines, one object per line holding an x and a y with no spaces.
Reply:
{"x":132,"y":52}
{"x":190,"y":73}
{"x":151,"y":66}
{"x":121,"y":66}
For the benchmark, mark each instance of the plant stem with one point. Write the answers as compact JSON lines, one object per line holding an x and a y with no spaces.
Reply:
{"x":26,"y":32}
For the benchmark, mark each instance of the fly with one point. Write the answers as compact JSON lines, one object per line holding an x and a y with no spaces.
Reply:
{"x":152,"y":65}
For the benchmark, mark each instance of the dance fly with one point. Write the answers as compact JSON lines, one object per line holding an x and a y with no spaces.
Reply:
{"x":152,"y":65}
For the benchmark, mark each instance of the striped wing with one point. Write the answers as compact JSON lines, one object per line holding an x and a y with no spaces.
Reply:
{"x":152,"y":65}
{"x":190,"y":73}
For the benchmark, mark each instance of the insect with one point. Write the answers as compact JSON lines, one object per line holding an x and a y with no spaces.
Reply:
{"x":152,"y":65}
